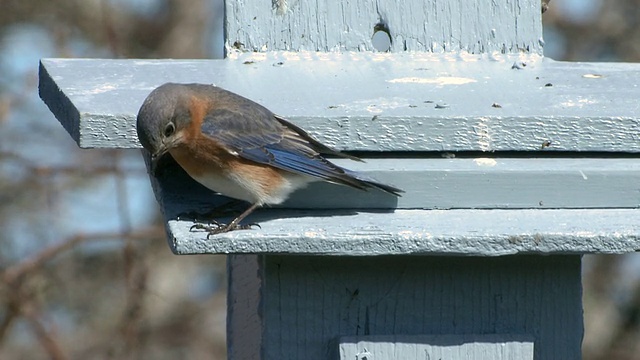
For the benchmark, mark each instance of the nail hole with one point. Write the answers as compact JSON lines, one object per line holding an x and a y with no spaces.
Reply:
{"x":381,"y":39}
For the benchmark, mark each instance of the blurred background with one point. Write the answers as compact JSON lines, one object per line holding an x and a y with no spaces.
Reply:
{"x":85,"y":269}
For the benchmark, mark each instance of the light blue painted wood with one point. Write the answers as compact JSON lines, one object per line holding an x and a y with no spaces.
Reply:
{"x":244,"y":333}
{"x":346,"y":230}
{"x":443,"y":232}
{"x":476,"y":183}
{"x":476,"y":347}
{"x":485,"y":183}
{"x":429,"y":25}
{"x":310,"y":304}
{"x":348,"y":219}
{"x":374,"y":102}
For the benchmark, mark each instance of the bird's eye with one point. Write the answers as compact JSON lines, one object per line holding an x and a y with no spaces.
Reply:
{"x":169,"y":129}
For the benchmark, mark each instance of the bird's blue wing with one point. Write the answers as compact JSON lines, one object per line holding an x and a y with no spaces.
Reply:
{"x":239,"y":131}
{"x":258,"y":136}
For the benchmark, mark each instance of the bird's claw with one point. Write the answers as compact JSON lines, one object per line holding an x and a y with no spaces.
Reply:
{"x":216,"y":227}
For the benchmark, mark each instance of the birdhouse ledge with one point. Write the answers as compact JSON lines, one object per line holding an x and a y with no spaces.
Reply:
{"x":445,"y":141}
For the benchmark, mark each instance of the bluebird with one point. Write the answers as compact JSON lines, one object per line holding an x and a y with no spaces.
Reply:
{"x":237,"y":147}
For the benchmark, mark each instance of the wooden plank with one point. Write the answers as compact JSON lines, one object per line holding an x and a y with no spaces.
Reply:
{"x":485,"y":183}
{"x":431,"y":25}
{"x":439,"y":183}
{"x":244,"y":333}
{"x":347,"y":230}
{"x":310,"y":303}
{"x":477,"y":347}
{"x":445,"y":232}
{"x":386,"y":102}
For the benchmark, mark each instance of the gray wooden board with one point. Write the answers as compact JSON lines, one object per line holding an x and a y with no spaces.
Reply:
{"x":429,"y":25}
{"x":350,"y":224}
{"x":424,"y":347}
{"x":463,"y":232}
{"x":309,"y":304}
{"x":243,"y":323}
{"x":373,"y":101}
{"x":489,"y":183}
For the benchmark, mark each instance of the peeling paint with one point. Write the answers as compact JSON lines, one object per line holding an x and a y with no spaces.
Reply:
{"x":578,"y":103}
{"x":485,"y":162}
{"x":584,"y":176}
{"x":482,"y":130}
{"x":438,"y":81}
{"x":377,"y":105}
{"x":102,"y":89}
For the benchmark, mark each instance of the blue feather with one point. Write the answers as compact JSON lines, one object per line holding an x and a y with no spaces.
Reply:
{"x":293,"y":161}
{"x":258,"y":135}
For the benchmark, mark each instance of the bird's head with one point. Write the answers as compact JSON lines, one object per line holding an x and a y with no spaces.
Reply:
{"x":161,"y":119}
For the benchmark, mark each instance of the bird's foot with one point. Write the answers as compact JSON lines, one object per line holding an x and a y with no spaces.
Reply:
{"x":215,"y":227}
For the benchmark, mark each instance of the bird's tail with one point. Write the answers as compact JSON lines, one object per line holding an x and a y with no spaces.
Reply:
{"x":368,"y":182}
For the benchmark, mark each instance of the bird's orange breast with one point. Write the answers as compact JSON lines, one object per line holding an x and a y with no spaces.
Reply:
{"x":232,"y":175}
{"x":215,"y":166}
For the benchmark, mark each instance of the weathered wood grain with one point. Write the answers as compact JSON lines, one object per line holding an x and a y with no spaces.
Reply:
{"x":374,"y":102}
{"x":440,"y":183}
{"x":476,"y":347}
{"x":402,"y":232}
{"x":430,"y":25}
{"x":309,"y":305}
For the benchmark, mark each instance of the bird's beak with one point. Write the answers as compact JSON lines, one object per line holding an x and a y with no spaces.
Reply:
{"x":155,"y":157}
